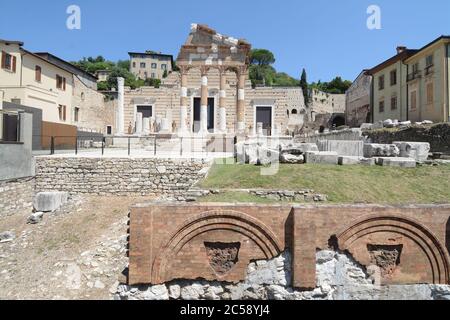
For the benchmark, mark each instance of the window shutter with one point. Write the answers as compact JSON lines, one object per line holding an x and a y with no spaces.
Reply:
{"x":64,"y":113}
{"x":14,"y":64}
{"x":3,"y":59}
{"x":64,"y":85}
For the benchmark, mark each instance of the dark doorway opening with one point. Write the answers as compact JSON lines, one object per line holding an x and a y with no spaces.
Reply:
{"x":338,"y":121}
{"x":210,"y":117}
{"x":147,"y":111}
{"x":264,"y":116}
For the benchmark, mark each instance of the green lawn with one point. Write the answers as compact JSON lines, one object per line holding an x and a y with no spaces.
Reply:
{"x":342,"y":184}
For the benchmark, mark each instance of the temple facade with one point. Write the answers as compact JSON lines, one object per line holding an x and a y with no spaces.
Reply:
{"x":210,"y":94}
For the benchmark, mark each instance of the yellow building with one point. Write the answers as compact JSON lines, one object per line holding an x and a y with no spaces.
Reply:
{"x":28,"y":79}
{"x":150,"y":65}
{"x":413,"y":85}
{"x":428,"y":82}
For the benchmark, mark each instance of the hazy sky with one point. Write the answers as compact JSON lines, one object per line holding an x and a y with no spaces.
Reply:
{"x":326,"y":37}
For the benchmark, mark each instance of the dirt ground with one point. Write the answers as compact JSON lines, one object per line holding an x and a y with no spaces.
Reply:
{"x":77,"y":252}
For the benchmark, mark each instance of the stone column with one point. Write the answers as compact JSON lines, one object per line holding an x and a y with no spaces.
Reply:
{"x":139,"y":122}
{"x":120,"y":106}
{"x":184,"y":102}
{"x":222,"y":101}
{"x":204,"y":103}
{"x":240,"y":110}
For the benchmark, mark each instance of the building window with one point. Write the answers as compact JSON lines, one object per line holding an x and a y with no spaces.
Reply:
{"x":109,"y":130}
{"x":16,"y":101}
{"x":393,"y":77}
{"x":134,"y":64}
{"x":9,"y":62}
{"x":76,"y":114}
{"x":60,"y":82}
{"x":294,"y":111}
{"x":429,"y":61}
{"x":415,"y":68}
{"x":142,"y":65}
{"x":38,"y":74}
{"x":381,"y":106}
{"x":62,"y":112}
{"x":153,"y":76}
{"x":413,"y":100}
{"x":82,"y":96}
{"x":430,"y":93}
{"x":164,"y":66}
{"x":394,"y":103}
{"x":145,"y":75}
{"x":154,"y":66}
{"x":381,"y":82}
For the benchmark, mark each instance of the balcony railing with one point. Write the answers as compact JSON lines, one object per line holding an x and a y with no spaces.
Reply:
{"x":414,"y":75}
{"x":429,"y":70}
{"x":9,"y":126}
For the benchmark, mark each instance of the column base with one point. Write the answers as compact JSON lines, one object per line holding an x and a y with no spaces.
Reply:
{"x":240,"y":127}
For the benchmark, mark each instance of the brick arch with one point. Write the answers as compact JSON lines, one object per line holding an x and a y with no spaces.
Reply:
{"x":425,"y":240}
{"x":228,"y":220}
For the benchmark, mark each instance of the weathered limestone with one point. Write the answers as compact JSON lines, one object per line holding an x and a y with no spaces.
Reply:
{"x":35,"y":218}
{"x":372,"y":150}
{"x":344,"y":161}
{"x":267,"y":156}
{"x":139,"y":121}
{"x":204,"y":103}
{"x":120,"y":107}
{"x":343,"y":147}
{"x":339,"y":277}
{"x":292,"y":158}
{"x":7,"y":236}
{"x":416,"y":150}
{"x":322,"y":157}
{"x":397,"y":162}
{"x":16,"y":196}
{"x":50,"y":201}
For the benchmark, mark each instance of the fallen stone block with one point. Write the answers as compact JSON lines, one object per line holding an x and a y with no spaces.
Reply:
{"x":367,"y":126}
{"x":346,"y":161}
{"x":35,"y":218}
{"x":7,"y":236}
{"x":415,"y":150}
{"x":322,"y":157}
{"x":49,"y":201}
{"x":343,"y":147}
{"x":372,"y":150}
{"x":292,"y":159}
{"x":397,"y":162}
{"x":267,"y":156}
{"x":368,"y":161}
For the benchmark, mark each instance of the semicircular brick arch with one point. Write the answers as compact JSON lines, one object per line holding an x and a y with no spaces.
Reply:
{"x":228,"y":220}
{"x":423,"y":238}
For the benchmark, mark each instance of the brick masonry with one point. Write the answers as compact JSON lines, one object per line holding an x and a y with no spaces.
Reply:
{"x":16,"y":196}
{"x":118,"y":176}
{"x":407,"y":245}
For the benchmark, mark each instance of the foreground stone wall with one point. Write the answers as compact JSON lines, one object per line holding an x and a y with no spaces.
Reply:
{"x":338,"y":277}
{"x":16,"y":196}
{"x":217,"y":242}
{"x":437,"y":135}
{"x":118,"y":176}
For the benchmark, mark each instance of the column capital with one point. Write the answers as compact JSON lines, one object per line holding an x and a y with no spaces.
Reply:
{"x":241,"y":70}
{"x":184,"y":70}
{"x":204,"y":70}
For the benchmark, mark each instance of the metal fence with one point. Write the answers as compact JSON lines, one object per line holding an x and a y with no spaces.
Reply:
{"x":151,"y":146}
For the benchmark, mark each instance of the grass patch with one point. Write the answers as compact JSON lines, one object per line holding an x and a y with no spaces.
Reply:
{"x":342,"y":184}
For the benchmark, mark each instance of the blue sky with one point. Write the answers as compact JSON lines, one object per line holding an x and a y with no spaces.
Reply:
{"x":326,"y":37}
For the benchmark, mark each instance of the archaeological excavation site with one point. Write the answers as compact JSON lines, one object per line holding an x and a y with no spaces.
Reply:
{"x":210,"y":175}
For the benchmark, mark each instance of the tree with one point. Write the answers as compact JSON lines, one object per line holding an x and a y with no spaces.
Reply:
{"x":335,"y":86}
{"x":304,"y":86}
{"x":262,"y":57}
{"x":124,"y":64}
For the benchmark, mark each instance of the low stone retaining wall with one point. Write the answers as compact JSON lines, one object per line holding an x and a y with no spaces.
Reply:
{"x":118,"y":176}
{"x":16,"y":196}
{"x":437,"y":135}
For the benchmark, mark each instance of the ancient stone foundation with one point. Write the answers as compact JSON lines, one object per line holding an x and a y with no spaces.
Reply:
{"x":260,"y":251}
{"x":339,"y":277}
{"x":118,"y":176}
{"x":16,"y":196}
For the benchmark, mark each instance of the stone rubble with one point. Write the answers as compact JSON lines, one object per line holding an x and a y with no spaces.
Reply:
{"x":339,"y":277}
